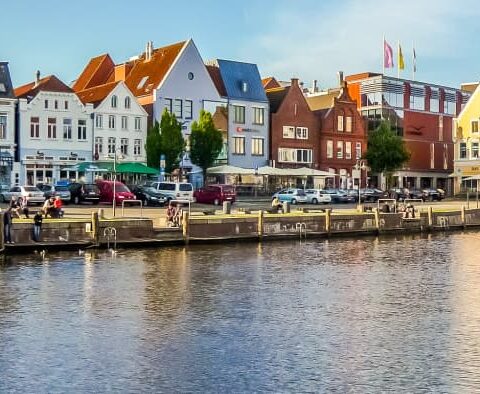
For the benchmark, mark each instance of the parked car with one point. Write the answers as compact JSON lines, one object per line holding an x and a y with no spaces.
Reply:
{"x":340,"y":196}
{"x":33,"y":195}
{"x":215,"y":194}
{"x":175,"y":190}
{"x":149,"y":195}
{"x":293,"y":196}
{"x":122,"y":192}
{"x":399,"y":194}
{"x":372,"y":195}
{"x":417,"y":194}
{"x":56,"y":190}
{"x":316,"y":196}
{"x":433,"y":194}
{"x":84,"y":192}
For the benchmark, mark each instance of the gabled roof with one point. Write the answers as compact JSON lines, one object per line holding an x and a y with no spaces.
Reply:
{"x":270,"y":83}
{"x":95,"y":73}
{"x":241,"y":80}
{"x":214,"y":72}
{"x":275,"y":97}
{"x":322,"y":101}
{"x":6,"y":88}
{"x":47,"y":84}
{"x":96,"y":94}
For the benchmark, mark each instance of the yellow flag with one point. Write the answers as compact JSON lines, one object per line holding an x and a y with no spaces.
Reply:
{"x":401,"y":64}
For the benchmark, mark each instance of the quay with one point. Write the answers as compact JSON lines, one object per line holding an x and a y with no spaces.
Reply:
{"x":97,"y":231}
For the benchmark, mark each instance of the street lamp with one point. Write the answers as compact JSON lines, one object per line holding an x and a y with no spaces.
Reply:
{"x":115,"y":156}
{"x":360,"y":165}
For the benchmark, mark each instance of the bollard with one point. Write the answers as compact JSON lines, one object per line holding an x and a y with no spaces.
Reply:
{"x":95,"y":228}
{"x":185,"y":227}
{"x":328,"y":220}
{"x":430,"y":217}
{"x":227,"y":207}
{"x":101,"y":213}
{"x":464,"y":222}
{"x":260,"y":224}
{"x":286,"y":207}
{"x":377,"y":219}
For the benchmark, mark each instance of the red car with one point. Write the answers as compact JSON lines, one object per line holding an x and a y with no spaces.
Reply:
{"x":215,"y":194}
{"x":122,"y":192}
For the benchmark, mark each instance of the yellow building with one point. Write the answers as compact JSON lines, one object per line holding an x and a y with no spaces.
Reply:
{"x":466,"y":137}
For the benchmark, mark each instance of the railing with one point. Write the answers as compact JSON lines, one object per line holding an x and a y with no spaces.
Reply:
{"x":130,"y":202}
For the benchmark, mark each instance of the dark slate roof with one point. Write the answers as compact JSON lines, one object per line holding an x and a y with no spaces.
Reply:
{"x":236,"y":75}
{"x":6,"y":88}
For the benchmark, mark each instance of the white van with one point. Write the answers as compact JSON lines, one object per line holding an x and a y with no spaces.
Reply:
{"x":175,"y":190}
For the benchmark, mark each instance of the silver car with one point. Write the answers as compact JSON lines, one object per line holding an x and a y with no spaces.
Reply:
{"x":32,"y":194}
{"x":316,"y":196}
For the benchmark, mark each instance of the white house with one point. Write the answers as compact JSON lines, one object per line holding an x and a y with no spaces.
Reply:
{"x":7,"y":126}
{"x":120,"y":122}
{"x":55,"y":131}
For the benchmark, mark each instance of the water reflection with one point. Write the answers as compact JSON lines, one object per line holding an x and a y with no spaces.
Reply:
{"x":367,"y":315}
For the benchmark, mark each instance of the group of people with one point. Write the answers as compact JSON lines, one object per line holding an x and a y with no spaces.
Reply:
{"x":53,"y":207}
{"x":174,"y":215}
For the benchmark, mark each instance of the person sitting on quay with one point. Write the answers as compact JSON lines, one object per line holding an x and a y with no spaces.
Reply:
{"x":177,"y":217}
{"x":14,"y":207}
{"x":48,"y":207}
{"x":22,"y":207}
{"x":385,"y":207}
{"x":277,"y":204}
{"x":57,"y":207}
{"x":170,"y":214}
{"x":409,"y":212}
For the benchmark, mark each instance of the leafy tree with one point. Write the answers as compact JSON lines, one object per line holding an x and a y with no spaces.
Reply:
{"x":386,"y":151}
{"x":206,"y":142}
{"x":165,"y":138}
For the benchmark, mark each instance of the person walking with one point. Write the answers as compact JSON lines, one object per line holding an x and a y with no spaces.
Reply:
{"x":7,"y":226}
{"x":37,"y":225}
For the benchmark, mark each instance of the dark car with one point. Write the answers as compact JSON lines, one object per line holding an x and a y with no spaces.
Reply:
{"x":433,"y":194}
{"x":61,"y":191}
{"x":215,"y":194}
{"x":84,"y":192}
{"x":399,"y":193}
{"x":417,"y":194}
{"x":149,"y":195}
{"x":372,"y":195}
{"x":340,"y":196}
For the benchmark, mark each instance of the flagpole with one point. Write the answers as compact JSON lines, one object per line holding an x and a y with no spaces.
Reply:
{"x":414,"y":60}
{"x":383,"y":57}
{"x":398,"y":59}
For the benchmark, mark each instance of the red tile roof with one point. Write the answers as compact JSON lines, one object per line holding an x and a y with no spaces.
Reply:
{"x":270,"y":83}
{"x":97,"y":72}
{"x":97,"y":94}
{"x":214,"y":72}
{"x":47,"y":84}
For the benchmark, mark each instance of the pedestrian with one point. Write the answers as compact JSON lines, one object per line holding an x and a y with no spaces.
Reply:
{"x":23,"y":208}
{"x":48,"y":208}
{"x":37,"y":225}
{"x":7,"y":225}
{"x":57,"y":207}
{"x":170,"y":214}
{"x":14,"y":207}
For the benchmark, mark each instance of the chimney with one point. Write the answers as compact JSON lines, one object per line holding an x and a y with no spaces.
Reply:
{"x":148,"y":51}
{"x":294,"y":81}
{"x":37,"y":77}
{"x":340,"y":78}
{"x":314,"y":86}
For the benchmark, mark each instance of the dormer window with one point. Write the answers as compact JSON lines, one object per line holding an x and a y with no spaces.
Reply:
{"x":114,"y":101}
{"x":127,"y":102}
{"x":3,"y":89}
{"x":244,"y":87}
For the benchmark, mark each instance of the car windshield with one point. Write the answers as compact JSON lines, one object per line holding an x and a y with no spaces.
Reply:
{"x":61,"y":188}
{"x":31,"y":189}
{"x":300,"y":192}
{"x":121,"y":188}
{"x":91,"y":188}
{"x":185,"y":187}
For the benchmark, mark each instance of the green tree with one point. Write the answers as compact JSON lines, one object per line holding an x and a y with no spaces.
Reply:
{"x":206,"y":142}
{"x":386,"y":151}
{"x":152,"y":146}
{"x":172,"y":143}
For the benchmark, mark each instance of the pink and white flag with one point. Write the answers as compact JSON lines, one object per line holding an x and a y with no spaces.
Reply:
{"x":387,"y":55}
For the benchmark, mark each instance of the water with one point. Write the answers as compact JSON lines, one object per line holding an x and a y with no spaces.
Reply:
{"x":368,"y":315}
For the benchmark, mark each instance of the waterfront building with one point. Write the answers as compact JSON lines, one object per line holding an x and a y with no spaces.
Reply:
{"x":422,"y":114}
{"x":342,"y":138}
{"x":120,"y":123}
{"x":54,"y":132}
{"x":7,"y":127}
{"x":172,"y":77}
{"x":294,"y":128}
{"x":245,"y":116}
{"x":467,"y":140}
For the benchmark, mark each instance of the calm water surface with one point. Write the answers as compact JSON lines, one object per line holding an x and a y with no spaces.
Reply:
{"x":368,"y":315}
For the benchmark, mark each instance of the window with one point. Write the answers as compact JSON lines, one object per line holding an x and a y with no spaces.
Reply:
{"x":339,"y":149}
{"x":3,"y":126}
{"x":432,"y":155}
{"x":67,"y":129}
{"x":111,"y":145}
{"x":434,"y":100}
{"x":348,"y":125}
{"x":238,"y":145}
{"x":99,"y":121}
{"x":340,"y":122}
{"x":52,"y":128}
{"x":124,"y":123}
{"x":56,"y":104}
{"x":114,"y":101}
{"x":187,"y":110}
{"x":258,"y":115}
{"x":66,"y":104}
{"x":46,"y":103}
{"x":301,"y":133}
{"x":304,"y":155}
{"x":329,"y":149}
{"x":111,"y":121}
{"x":286,"y":155}
{"x":137,"y":147}
{"x":138,"y":123}
{"x":445,"y":156}
{"x":474,"y":150}
{"x":417,"y":97}
{"x":238,"y":114}
{"x":168,"y":104}
{"x":99,"y":145}
{"x":474,"y":126}
{"x":288,"y":132}
{"x":127,"y":102}
{"x":358,"y":150}
{"x":177,"y":108}
{"x":440,"y":128}
{"x":463,"y":150}
{"x":257,"y":146}
{"x":294,"y":155}
{"x":34,"y":127}
{"x":82,"y":129}
{"x":124,"y":146}
{"x":348,"y":150}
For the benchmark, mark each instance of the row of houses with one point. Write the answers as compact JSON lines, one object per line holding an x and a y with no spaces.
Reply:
{"x":50,"y":130}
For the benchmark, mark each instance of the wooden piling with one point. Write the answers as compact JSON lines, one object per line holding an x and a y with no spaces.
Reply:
{"x":260,"y":225}
{"x":185,"y":227}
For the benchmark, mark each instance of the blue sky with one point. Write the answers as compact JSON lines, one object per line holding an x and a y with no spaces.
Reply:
{"x":308,"y":39}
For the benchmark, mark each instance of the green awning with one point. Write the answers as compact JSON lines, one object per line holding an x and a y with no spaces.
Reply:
{"x":135,"y":168}
{"x":89,"y":167}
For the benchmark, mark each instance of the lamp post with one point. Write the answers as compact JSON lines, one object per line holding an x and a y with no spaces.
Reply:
{"x":360,"y":165}
{"x":115,"y":156}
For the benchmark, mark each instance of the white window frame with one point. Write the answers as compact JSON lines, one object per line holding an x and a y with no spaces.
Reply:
{"x":34,"y":127}
{"x":124,"y":146}
{"x":178,"y":108}
{"x":289,"y":132}
{"x":111,"y":147}
{"x":99,"y":121}
{"x":258,"y":146}
{"x":188,"y":109}
{"x":358,"y":150}
{"x":301,"y":133}
{"x":258,"y":115}
{"x":348,"y":150}
{"x":238,"y":146}
{"x":82,"y":129}
{"x":114,"y":101}
{"x":329,"y":149}
{"x":137,"y":147}
{"x":111,"y":122}
{"x":67,"y":129}
{"x":432,"y":155}
{"x":339,"y":149}
{"x":349,"y":124}
{"x":238,"y":114}
{"x":124,"y":122}
{"x":3,"y":126}
{"x":340,"y":123}
{"x":127,"y":102}
{"x":99,"y":145}
{"x":472,"y":122}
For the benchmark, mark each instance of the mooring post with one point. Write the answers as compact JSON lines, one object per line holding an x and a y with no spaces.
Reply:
{"x":328,"y":220}
{"x":464,"y":221}
{"x":185,"y":227}
{"x":430,"y":217}
{"x":260,"y":224}
{"x":95,"y":228}
{"x":377,"y":219}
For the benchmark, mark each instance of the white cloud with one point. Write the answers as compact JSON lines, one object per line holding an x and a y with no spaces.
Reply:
{"x":315,"y":42}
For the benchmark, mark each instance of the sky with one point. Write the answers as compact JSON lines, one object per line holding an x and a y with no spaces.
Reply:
{"x":307,"y":39}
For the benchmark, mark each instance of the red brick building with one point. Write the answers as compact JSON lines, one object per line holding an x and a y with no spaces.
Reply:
{"x":294,"y":128}
{"x":342,"y":138}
